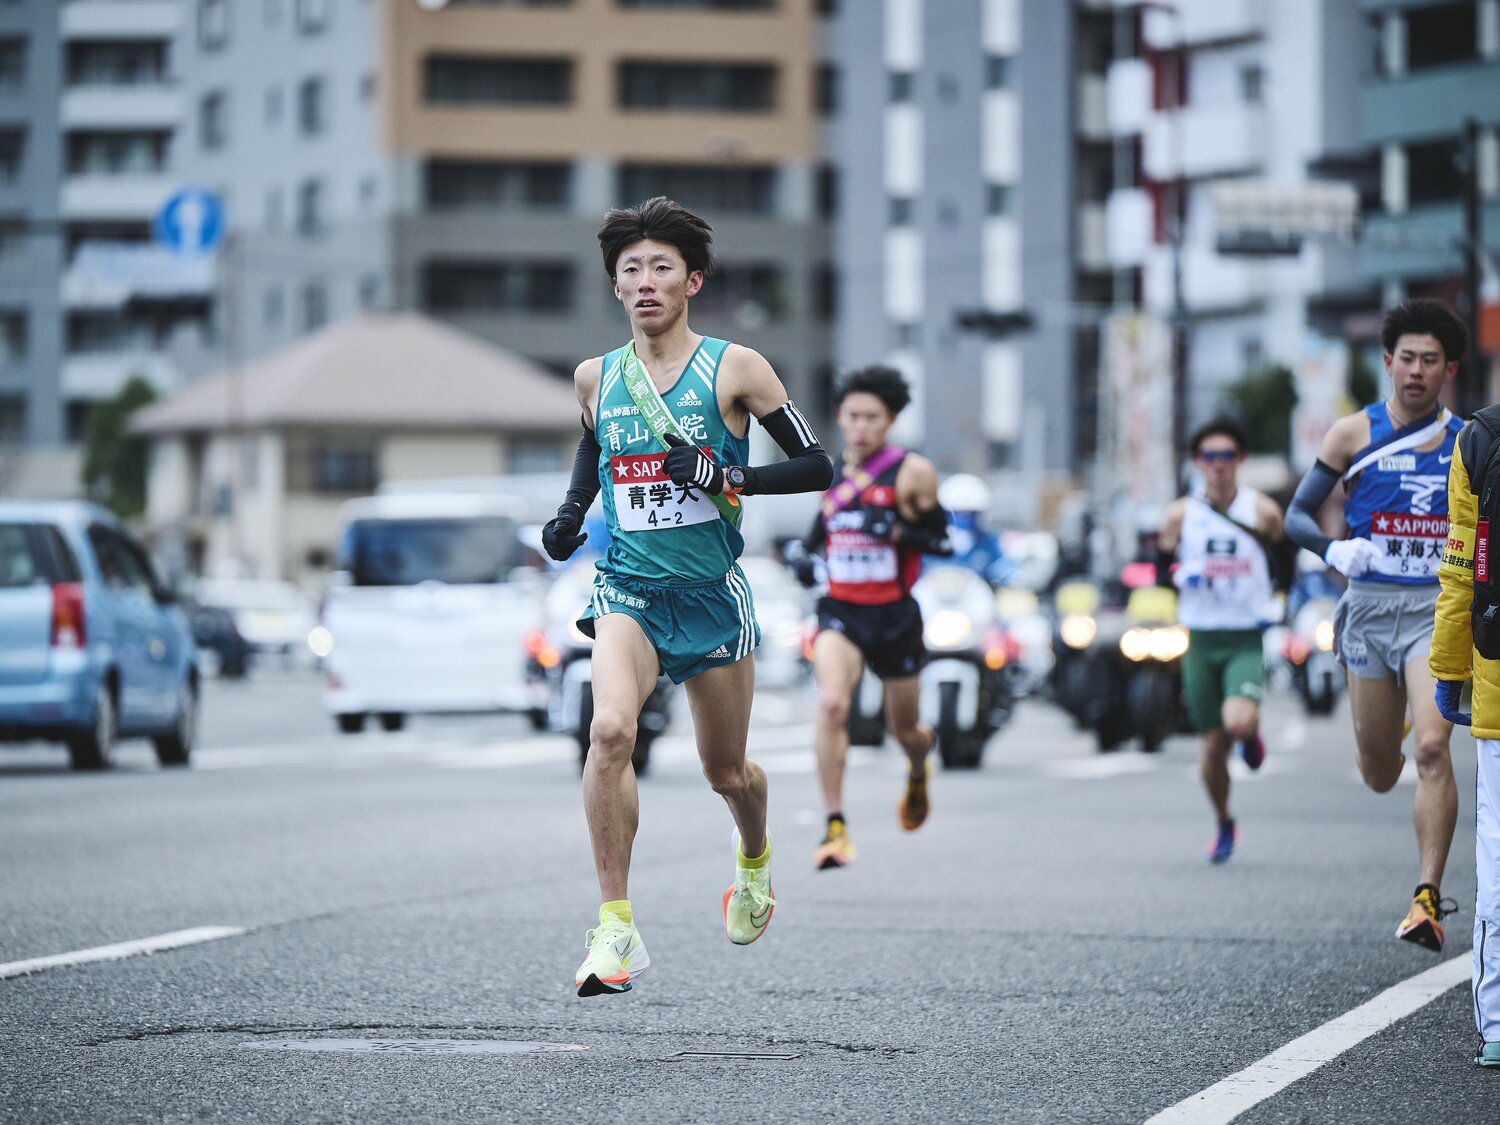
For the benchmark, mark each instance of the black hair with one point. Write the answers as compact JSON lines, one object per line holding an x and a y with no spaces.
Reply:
{"x":885,"y":383}
{"x":1221,"y":426}
{"x":661,"y":220}
{"x":1425,"y":316}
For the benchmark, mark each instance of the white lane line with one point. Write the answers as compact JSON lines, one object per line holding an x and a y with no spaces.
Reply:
{"x":1227,"y":1099}
{"x":175,"y":940}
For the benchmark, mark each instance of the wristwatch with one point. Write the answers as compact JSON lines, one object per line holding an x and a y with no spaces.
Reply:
{"x":734,"y":478}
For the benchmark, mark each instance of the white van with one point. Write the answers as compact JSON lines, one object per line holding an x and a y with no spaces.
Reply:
{"x":430,"y":611}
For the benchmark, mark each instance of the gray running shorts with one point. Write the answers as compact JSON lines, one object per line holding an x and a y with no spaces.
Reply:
{"x":1380,"y":628}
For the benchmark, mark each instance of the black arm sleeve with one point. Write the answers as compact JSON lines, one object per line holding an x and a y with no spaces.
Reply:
{"x":929,"y":534}
{"x":816,"y":536}
{"x":1302,"y":517}
{"x":807,"y":467}
{"x":1164,"y":561}
{"x":583,"y":485}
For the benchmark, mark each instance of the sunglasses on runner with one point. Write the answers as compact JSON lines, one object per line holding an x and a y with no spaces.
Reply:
{"x":1221,"y":456}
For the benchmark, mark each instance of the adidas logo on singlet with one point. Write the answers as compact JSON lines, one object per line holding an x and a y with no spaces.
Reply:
{"x":720,"y":653}
{"x":690,"y":398}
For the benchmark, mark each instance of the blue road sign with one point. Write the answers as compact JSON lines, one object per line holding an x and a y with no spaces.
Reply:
{"x":190,"y":222}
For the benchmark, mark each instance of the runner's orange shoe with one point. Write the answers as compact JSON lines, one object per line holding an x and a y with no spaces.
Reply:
{"x":1423,"y":922}
{"x":914,"y":805}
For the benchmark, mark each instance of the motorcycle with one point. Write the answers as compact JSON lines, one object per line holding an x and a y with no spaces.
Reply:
{"x":965,"y":692}
{"x":562,"y":657}
{"x":1308,"y":648}
{"x":1122,"y":676}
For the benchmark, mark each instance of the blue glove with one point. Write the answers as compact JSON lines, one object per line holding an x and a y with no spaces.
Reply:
{"x":1446,"y":695}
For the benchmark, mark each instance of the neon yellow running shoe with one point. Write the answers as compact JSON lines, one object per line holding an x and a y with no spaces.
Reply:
{"x":914,"y":805}
{"x":748,"y":904}
{"x":616,"y":957}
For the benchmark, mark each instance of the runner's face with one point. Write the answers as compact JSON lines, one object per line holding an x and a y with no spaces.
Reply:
{"x":653,"y":283}
{"x":1218,"y":459}
{"x":1419,"y":370}
{"x":864,"y":421}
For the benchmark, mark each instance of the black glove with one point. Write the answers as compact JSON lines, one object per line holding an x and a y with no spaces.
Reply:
{"x":805,"y":570}
{"x":878,"y":523}
{"x":560,"y":535}
{"x":687,"y":464}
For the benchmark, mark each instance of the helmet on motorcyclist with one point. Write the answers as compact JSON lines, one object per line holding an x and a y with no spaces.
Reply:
{"x":966,"y":497}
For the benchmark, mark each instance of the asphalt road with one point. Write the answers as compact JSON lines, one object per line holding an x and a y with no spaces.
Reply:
{"x":1051,"y":947}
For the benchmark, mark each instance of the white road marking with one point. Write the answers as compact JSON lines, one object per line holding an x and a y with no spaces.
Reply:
{"x":1227,"y":1099}
{"x":174,"y":940}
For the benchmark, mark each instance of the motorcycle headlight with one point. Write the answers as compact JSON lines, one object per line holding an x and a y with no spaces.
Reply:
{"x":1078,"y":630}
{"x":320,"y":641}
{"x":1136,"y":644}
{"x":1168,"y":644}
{"x":948,"y":629}
{"x":1323,"y":636}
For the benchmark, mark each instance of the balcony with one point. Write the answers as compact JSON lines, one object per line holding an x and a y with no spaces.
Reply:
{"x":1430,"y":103}
{"x":1423,"y":242}
{"x":145,"y":106}
{"x":1129,"y":227}
{"x":131,"y":197}
{"x":1206,"y":21}
{"x":102,"y":374}
{"x":1129,"y":96}
{"x":110,"y":19}
{"x":1208,"y":141}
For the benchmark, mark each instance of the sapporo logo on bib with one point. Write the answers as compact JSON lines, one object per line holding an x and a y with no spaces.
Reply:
{"x":1410,"y":545}
{"x":647,"y":500}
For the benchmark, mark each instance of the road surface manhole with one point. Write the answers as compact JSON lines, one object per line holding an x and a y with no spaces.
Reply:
{"x":774,"y":1055}
{"x":415,"y":1046}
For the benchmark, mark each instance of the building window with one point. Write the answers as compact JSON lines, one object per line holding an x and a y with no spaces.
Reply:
{"x":827,"y":9}
{"x":314,"y":306}
{"x":733,"y":189}
{"x":274,"y":308}
{"x":907,"y":336}
{"x":726,"y":88}
{"x":12,"y":151}
{"x":1252,"y":83}
{"x":12,"y":64}
{"x":458,"y":184}
{"x":902,"y":211}
{"x":903,"y":87}
{"x":310,"y":207}
{"x":999,"y":199}
{"x":213,"y":121}
{"x":535,"y":455}
{"x":755,"y":290}
{"x":12,"y":417}
{"x":312,"y":15}
{"x":1441,"y":35}
{"x":14,"y":338}
{"x":826,"y":292}
{"x":97,"y":333}
{"x":826,"y":90}
{"x":497,"y":80}
{"x":1432,"y":172}
{"x":312,"y":109}
{"x":99,"y":62}
{"x":213,"y":24}
{"x":478,"y":286}
{"x":117,"y":153}
{"x":827,"y":191}
{"x":999,"y":72}
{"x":344,"y":469}
{"x":275,"y":100}
{"x":368,"y":85}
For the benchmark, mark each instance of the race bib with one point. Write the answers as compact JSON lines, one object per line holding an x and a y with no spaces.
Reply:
{"x":855,"y":557}
{"x":647,"y":500}
{"x":1410,"y":545}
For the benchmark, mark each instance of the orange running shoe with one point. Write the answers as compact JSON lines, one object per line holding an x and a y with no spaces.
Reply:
{"x":836,"y":850}
{"x":914,"y":805}
{"x":1423,"y":922}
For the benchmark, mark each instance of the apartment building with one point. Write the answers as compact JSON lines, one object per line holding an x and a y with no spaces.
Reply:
{"x":88,"y":116}
{"x":1260,"y":92}
{"x":455,"y":158}
{"x":1439,"y":67}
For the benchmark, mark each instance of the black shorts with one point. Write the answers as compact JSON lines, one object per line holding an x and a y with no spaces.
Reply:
{"x":889,"y":636}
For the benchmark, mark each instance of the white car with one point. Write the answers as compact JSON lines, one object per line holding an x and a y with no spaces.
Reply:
{"x":431,"y":611}
{"x":274,"y":616}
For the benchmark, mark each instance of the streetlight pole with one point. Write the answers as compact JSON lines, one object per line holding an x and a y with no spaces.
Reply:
{"x":1472,"y":392}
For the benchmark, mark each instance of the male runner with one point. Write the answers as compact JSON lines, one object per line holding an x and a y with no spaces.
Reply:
{"x":876,"y":521}
{"x":665,"y":436}
{"x":1219,"y":534}
{"x":1393,"y":458}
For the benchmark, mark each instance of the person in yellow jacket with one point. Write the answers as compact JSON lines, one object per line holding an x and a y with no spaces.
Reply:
{"x":1453,"y":660}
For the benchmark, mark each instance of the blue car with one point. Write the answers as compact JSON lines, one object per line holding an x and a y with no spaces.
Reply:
{"x":93,"y":648}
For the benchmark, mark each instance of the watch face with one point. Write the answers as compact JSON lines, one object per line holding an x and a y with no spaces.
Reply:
{"x":736,"y":476}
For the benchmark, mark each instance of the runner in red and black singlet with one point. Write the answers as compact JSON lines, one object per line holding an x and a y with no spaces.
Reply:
{"x":876,"y":522}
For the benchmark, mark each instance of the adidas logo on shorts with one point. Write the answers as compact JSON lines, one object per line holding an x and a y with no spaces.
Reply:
{"x":690,"y":399}
{"x":720,"y":653}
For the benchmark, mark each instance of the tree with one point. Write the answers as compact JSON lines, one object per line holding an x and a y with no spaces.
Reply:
{"x":1264,"y":400}
{"x":1364,"y":388}
{"x":114,"y":459}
